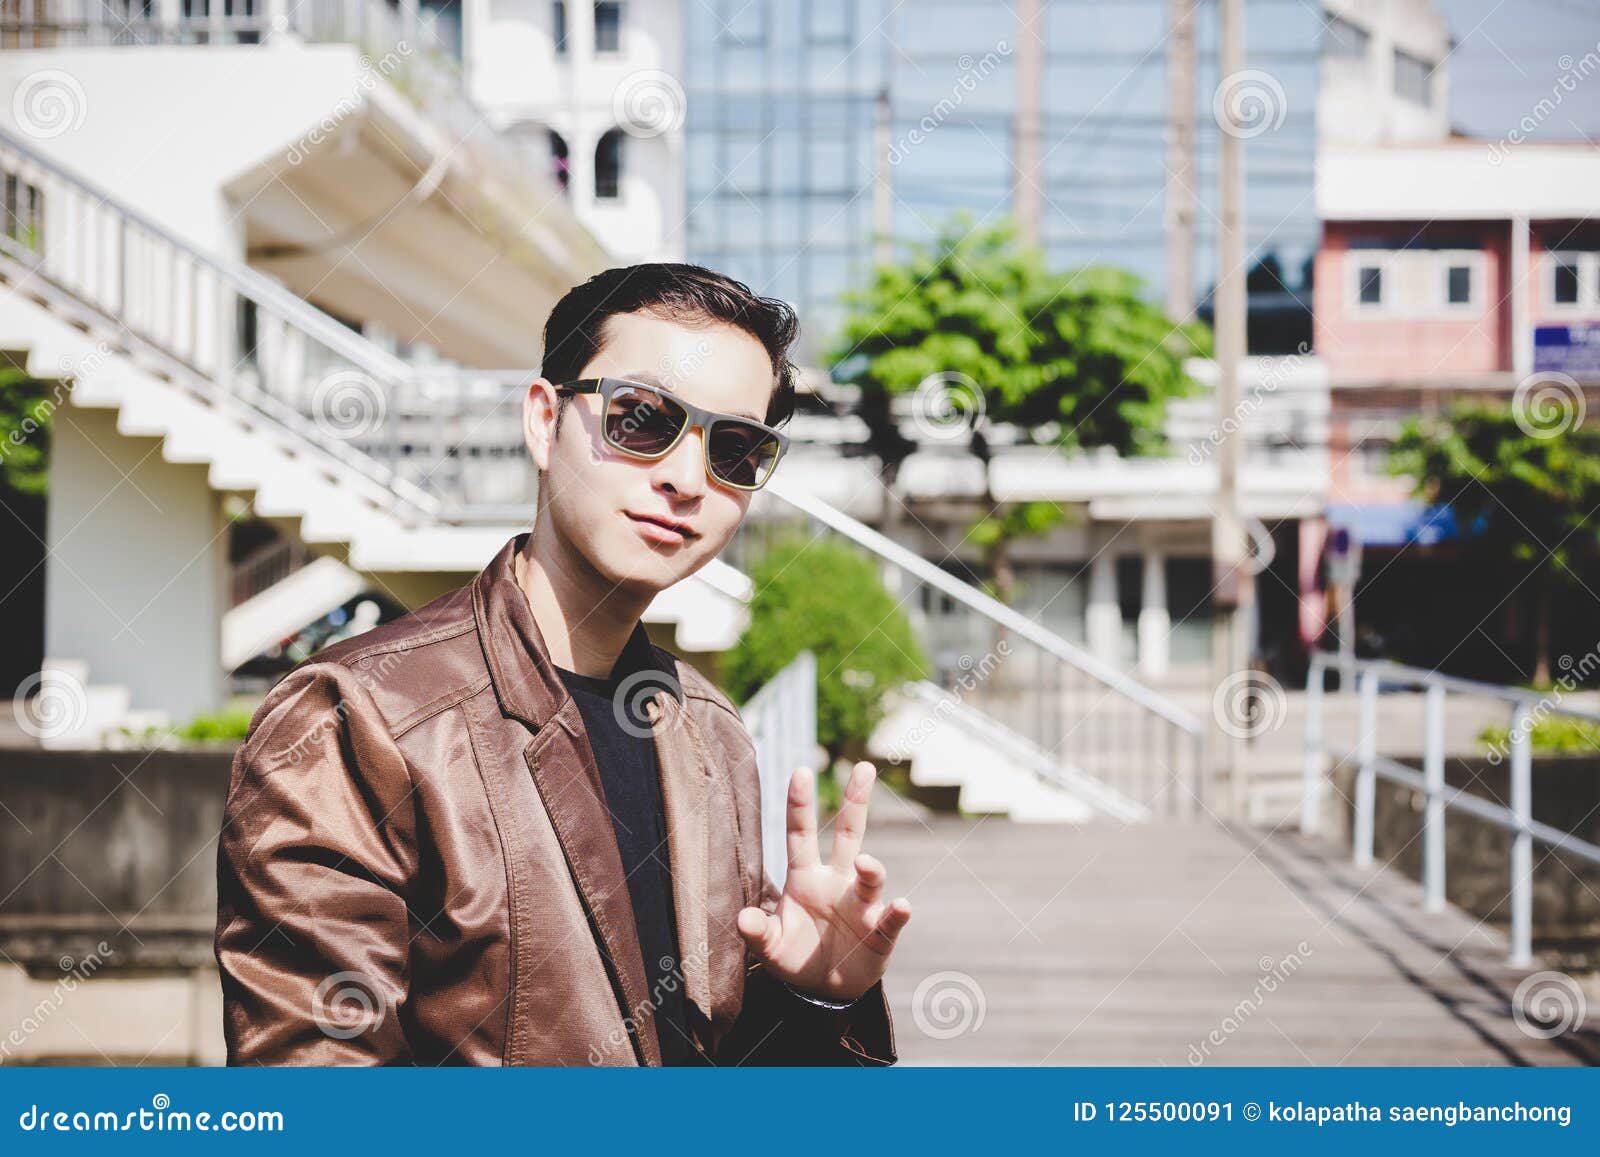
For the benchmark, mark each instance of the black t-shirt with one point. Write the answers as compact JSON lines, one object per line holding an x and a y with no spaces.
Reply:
{"x":620,"y":737}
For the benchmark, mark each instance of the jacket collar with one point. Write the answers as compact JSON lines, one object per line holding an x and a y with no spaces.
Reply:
{"x":526,"y":681}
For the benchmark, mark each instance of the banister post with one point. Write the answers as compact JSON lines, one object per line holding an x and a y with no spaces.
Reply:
{"x":1311,"y":788}
{"x":1433,"y":819}
{"x":1522,"y":837}
{"x":1366,"y":768}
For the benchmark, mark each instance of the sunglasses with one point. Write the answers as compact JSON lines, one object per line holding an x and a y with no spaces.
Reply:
{"x":647,"y":422}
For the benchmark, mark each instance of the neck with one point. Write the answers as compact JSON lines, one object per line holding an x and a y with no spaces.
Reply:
{"x":585,"y":621}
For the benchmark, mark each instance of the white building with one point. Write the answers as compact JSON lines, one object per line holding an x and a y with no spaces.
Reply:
{"x":595,"y":88}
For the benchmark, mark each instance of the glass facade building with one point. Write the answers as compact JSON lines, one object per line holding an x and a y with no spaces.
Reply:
{"x":783,"y":116}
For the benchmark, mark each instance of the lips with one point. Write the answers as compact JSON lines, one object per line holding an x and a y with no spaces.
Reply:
{"x":662,"y":528}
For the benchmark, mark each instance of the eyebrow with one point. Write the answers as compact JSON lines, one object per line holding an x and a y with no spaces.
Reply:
{"x":650,"y":378}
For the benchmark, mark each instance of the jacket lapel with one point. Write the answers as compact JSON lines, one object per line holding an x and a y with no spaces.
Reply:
{"x":564,"y":768}
{"x":683,"y":793}
{"x":707,"y":864}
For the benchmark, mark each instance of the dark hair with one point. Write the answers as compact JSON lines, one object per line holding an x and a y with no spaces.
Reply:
{"x":574,"y":332}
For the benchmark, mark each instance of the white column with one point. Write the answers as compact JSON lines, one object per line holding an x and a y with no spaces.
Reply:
{"x":1155,"y":621}
{"x":1521,"y":316}
{"x":137,"y":579}
{"x":1104,"y":615}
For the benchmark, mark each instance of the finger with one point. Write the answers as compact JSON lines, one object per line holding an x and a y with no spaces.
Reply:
{"x":870,"y":875}
{"x":802,"y":821}
{"x":889,"y":926}
{"x":761,"y":932}
{"x":850,"y":828}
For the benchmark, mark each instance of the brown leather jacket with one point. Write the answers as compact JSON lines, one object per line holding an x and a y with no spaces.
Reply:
{"x":417,"y":866}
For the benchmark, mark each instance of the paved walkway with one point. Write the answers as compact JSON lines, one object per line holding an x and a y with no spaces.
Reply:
{"x":1178,"y":945}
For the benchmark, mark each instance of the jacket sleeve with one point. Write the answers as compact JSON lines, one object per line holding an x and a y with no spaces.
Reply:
{"x":315,"y":854}
{"x":776,"y":1026}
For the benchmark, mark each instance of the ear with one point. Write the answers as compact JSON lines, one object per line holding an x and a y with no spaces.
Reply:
{"x":540,"y":406}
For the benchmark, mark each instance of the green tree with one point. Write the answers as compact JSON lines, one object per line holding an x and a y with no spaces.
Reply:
{"x":978,"y":330}
{"x":1520,"y":487}
{"x":825,"y":596}
{"x":25,"y":409}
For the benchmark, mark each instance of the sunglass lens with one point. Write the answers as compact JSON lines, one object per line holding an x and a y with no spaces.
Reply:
{"x":640,"y":421}
{"x":741,"y":455}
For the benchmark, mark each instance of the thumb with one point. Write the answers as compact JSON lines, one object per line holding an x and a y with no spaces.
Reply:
{"x":761,"y":932}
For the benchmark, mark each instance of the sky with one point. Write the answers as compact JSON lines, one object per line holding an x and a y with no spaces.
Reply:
{"x":1510,"y":54}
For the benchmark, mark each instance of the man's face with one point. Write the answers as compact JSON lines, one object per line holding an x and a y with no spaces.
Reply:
{"x":646,"y":524}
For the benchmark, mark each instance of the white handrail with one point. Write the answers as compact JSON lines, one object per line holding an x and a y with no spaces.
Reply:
{"x":1372,"y":675}
{"x":990,"y":608}
{"x":782,"y":720}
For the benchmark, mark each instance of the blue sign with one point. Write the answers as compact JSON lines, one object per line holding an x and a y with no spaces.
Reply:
{"x":1568,"y":349}
{"x":778,"y":1112}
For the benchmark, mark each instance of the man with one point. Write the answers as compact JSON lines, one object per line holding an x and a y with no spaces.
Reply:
{"x":506,"y":829}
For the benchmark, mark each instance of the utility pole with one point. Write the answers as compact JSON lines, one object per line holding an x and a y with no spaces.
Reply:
{"x":1180,"y":158}
{"x":882,"y":184}
{"x":1233,"y":584}
{"x":1025,"y":192}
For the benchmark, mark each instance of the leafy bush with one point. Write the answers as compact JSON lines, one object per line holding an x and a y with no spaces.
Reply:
{"x":217,"y":727}
{"x":1553,"y":733}
{"x":825,"y":597}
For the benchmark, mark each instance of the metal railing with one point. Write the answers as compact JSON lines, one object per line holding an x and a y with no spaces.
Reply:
{"x":1524,"y":709}
{"x":1085,"y":712}
{"x":400,"y":40}
{"x":226,"y":329}
{"x":782,"y":720}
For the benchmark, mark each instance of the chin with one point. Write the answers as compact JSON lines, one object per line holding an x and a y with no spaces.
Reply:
{"x":649,"y":572}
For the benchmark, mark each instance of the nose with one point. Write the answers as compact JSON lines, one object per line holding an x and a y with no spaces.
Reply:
{"x":683,"y":472}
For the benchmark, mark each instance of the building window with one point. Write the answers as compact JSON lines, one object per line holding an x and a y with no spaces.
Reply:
{"x":1573,"y":283}
{"x":558,"y":26}
{"x":1567,"y":284}
{"x":608,"y":26}
{"x":742,"y":23}
{"x":1418,"y":282}
{"x":1413,"y":78}
{"x":560,"y":166}
{"x":608,"y":166}
{"x":828,"y":21}
{"x":1369,"y":285}
{"x":1344,"y":39}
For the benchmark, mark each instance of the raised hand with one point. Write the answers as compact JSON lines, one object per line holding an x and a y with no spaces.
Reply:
{"x":832,"y":933}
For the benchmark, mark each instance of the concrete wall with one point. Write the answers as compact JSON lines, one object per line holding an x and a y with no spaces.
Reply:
{"x":108,"y":873}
